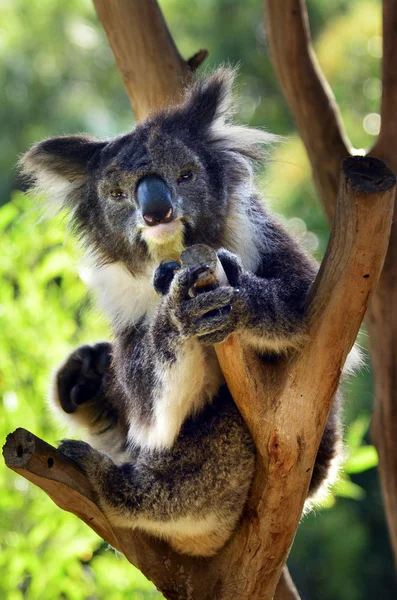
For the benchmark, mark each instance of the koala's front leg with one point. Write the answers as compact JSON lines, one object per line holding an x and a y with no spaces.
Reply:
{"x":164,"y":369}
{"x":270,"y":309}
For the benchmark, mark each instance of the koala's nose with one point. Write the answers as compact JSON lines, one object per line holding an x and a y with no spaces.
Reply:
{"x":154,"y":199}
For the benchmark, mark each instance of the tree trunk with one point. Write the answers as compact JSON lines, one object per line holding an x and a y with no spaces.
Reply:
{"x":153,"y":71}
{"x":317,"y":117}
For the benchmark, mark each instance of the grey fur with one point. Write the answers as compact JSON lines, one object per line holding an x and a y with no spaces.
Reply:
{"x":173,"y":455}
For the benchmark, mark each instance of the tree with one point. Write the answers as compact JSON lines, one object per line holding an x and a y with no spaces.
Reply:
{"x":264,"y":534}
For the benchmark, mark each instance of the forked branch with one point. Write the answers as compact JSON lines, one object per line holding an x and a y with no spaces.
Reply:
{"x":287,"y":426}
{"x":285,"y":407}
{"x":317,"y":117}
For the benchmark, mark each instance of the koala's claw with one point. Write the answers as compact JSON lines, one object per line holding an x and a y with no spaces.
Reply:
{"x":231,"y":265}
{"x":206,"y":313}
{"x":206,"y":302}
{"x":216,"y":326}
{"x":91,"y":461}
{"x":81,"y":378}
{"x":163,"y":276}
{"x":184,"y":281}
{"x":211,"y":315}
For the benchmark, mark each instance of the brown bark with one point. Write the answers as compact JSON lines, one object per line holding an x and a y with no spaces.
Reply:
{"x":381,"y":319}
{"x":317,"y":118}
{"x":284,"y":408}
{"x":152,"y":69}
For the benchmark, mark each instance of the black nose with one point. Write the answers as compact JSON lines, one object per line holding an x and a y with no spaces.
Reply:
{"x":154,"y":199}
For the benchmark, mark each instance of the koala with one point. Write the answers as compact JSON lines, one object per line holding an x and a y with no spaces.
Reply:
{"x":166,"y":449}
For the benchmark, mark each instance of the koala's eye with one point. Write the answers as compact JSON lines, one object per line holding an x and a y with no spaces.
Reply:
{"x":185,"y":175}
{"x":117,"y":194}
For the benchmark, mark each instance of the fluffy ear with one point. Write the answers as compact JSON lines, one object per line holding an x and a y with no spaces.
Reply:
{"x":245,"y":141}
{"x":209,"y":100}
{"x":58,"y":166}
{"x":208,"y":109}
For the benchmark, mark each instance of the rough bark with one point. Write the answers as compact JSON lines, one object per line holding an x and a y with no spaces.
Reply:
{"x":153,"y":71}
{"x":284,"y":408}
{"x":287,"y":441}
{"x":381,"y":319}
{"x":317,"y":117}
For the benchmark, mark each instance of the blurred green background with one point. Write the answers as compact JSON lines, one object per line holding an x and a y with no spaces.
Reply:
{"x":58,"y":77}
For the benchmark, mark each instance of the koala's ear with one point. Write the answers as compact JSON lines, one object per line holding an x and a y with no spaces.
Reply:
{"x":57,"y":166}
{"x":208,"y":111}
{"x":65,"y":156}
{"x":209,"y":101}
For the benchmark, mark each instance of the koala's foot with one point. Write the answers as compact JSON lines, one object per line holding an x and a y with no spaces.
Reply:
{"x":77,"y":451}
{"x":82,"y":376}
{"x":92,"y":462}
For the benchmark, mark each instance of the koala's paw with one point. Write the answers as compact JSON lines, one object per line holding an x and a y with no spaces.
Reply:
{"x":81,"y":377}
{"x":163,"y":276}
{"x":209,"y":315}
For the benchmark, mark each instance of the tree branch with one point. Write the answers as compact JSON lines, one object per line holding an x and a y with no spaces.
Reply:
{"x":285,"y":407}
{"x":285,"y":414}
{"x":152,"y":69}
{"x":381,"y":317}
{"x":388,"y":132}
{"x":317,"y":118}
{"x":308,"y":94}
{"x":70,"y":489}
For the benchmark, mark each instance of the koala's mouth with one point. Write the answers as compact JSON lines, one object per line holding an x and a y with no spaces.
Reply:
{"x":162,"y":232}
{"x":164,"y":241}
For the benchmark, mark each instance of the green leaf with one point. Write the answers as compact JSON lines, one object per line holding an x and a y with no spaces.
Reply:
{"x":347,"y":489}
{"x":362,"y":459}
{"x":357,"y":431}
{"x":8,"y":213}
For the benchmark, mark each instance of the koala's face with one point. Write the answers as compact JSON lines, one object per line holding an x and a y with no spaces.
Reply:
{"x":153,"y":192}
{"x":145,"y":196}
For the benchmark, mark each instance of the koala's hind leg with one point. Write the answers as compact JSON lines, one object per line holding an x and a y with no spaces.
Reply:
{"x":81,"y":394}
{"x":329,"y":452}
{"x":192,"y":495}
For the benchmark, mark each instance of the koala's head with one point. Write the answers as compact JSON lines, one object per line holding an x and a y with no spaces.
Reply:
{"x":175,"y":180}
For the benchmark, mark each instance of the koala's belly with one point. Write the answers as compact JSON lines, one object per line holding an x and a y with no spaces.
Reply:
{"x":205,"y":478}
{"x":190,"y":535}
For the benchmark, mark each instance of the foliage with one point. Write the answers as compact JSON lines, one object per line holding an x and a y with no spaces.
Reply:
{"x":45,"y":553}
{"x":59,"y":77}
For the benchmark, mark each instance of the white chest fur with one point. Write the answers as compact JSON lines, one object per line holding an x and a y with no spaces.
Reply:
{"x":123,"y":297}
{"x":183,"y":387}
